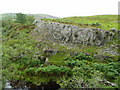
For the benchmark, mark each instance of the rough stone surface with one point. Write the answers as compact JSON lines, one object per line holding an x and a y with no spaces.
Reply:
{"x":74,"y":34}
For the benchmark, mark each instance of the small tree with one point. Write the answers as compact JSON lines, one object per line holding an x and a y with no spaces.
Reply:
{"x":21,"y":18}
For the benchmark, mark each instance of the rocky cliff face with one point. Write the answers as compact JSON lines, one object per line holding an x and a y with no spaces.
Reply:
{"x":74,"y":34}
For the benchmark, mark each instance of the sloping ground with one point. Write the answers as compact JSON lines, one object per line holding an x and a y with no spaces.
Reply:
{"x":104,"y":56}
{"x":40,"y":58}
{"x":42,"y":34}
{"x":105,"y":22}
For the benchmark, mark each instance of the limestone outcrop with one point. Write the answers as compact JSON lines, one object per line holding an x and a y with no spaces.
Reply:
{"x":74,"y":34}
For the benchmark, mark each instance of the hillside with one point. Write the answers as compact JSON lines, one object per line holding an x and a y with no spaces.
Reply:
{"x":72,"y":52}
{"x":105,"y":22}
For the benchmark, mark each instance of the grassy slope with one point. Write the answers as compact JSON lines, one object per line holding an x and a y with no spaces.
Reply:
{"x":106,"y":21}
{"x":19,"y":34}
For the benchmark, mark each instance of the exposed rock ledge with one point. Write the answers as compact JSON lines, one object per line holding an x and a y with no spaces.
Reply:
{"x":74,"y":34}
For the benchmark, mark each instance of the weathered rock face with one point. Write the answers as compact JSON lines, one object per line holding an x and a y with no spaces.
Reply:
{"x":74,"y":34}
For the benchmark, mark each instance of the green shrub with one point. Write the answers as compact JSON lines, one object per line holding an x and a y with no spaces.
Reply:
{"x":49,"y":70}
{"x":83,"y":56}
{"x":78,"y":60}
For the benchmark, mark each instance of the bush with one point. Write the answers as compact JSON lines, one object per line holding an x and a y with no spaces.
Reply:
{"x":83,"y":56}
{"x":49,"y":70}
{"x":21,"y":18}
{"x":24,"y":19}
{"x":77,"y":60}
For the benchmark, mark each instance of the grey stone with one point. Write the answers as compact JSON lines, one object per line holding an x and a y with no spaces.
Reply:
{"x":74,"y":34}
{"x":113,"y":29}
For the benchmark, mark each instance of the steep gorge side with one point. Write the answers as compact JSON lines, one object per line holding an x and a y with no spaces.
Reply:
{"x":74,"y":34}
